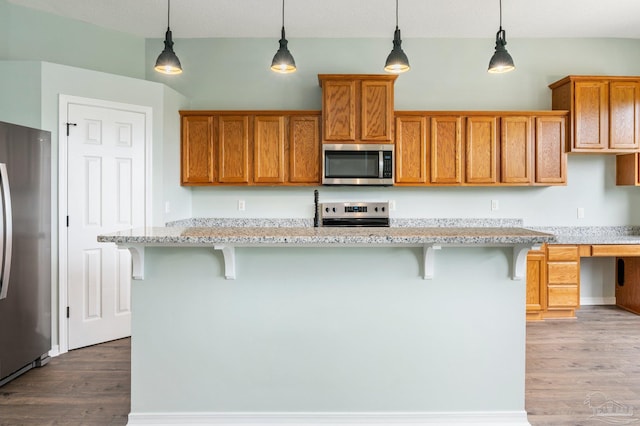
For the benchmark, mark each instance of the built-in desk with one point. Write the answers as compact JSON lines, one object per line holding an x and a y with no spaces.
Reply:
{"x":553,"y":276}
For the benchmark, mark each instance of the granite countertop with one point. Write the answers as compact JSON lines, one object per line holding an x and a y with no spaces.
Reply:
{"x":593,"y":234}
{"x":329,"y":236}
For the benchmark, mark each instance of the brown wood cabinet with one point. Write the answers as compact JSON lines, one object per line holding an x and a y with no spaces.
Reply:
{"x":466,"y":147}
{"x":536,"y":284}
{"x":515,"y":146}
{"x":480,"y":150}
{"x":268,"y":145}
{"x":604,"y":112}
{"x":550,"y":157}
{"x":197,"y":165}
{"x":553,"y":282}
{"x":627,"y":170}
{"x":411,"y":150}
{"x":446,"y":150}
{"x":304,"y":149}
{"x":357,"y":108}
{"x":563,"y":280}
{"x":628,"y":283}
{"x":250,"y":148}
{"x":233,"y":149}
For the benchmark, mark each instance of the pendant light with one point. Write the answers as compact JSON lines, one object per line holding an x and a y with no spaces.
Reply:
{"x":283,"y":61}
{"x":397,"y":61}
{"x":501,"y":61}
{"x":168,"y":62}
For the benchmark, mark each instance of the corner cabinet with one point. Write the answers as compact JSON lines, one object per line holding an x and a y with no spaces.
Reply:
{"x":604,"y":112}
{"x":473,"y":148}
{"x":250,"y":148}
{"x":357,"y":108}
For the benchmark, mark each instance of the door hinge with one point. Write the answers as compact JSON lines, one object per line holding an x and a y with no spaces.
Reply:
{"x":68,"y":312}
{"x":70,"y":124}
{"x":67,"y":221}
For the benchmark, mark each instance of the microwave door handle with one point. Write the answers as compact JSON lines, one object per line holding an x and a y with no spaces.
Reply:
{"x":380,"y":164}
{"x":6,"y":228}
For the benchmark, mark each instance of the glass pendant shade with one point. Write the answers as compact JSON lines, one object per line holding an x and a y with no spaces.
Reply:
{"x":168,"y":62}
{"x":501,"y":61}
{"x":397,"y":61}
{"x":283,"y":61}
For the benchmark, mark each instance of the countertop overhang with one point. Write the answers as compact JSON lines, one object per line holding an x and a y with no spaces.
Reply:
{"x":430,"y":239}
{"x":329,"y":236}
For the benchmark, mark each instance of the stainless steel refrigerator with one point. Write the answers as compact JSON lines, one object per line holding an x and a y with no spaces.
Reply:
{"x":25,"y":249}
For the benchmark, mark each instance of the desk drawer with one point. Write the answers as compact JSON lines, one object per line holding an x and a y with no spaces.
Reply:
{"x":615,"y":250}
{"x":562,"y":253}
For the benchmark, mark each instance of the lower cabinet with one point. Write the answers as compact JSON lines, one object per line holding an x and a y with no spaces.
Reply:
{"x":553,"y":282}
{"x":628,"y":283}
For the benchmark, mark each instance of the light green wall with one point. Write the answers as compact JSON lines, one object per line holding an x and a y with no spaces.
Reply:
{"x":39,"y":36}
{"x":445,"y":74}
{"x":20,"y":90}
{"x":344,"y":330}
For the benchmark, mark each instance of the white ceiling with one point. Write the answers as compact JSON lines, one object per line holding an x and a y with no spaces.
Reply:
{"x":355,"y":18}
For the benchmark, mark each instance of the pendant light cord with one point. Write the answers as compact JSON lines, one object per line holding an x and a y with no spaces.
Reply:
{"x":396,"y":13}
{"x":501,"y":14}
{"x":282,"y":13}
{"x":168,"y":12}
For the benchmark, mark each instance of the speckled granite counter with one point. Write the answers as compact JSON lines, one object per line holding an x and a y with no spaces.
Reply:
{"x":593,"y":234}
{"x":308,"y":236}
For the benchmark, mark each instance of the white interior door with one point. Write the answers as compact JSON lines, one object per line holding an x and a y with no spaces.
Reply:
{"x":105,"y":193}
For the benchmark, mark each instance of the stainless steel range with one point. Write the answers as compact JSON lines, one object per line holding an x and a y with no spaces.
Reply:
{"x":355,"y":214}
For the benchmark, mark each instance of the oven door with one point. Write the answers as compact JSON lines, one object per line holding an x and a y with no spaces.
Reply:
{"x":354,"y":164}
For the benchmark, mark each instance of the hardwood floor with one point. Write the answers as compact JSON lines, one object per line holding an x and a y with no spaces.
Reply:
{"x":594,"y":359}
{"x":89,"y":386}
{"x":577,"y":369}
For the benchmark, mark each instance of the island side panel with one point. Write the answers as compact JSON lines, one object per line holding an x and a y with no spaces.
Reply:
{"x":328,"y":330}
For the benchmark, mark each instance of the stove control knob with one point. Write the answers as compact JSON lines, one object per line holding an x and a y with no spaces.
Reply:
{"x":375,"y":209}
{"x":334,"y":209}
{"x":382,"y":208}
{"x":326,"y":209}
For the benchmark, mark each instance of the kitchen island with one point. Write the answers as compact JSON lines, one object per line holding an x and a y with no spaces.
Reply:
{"x":328,"y":325}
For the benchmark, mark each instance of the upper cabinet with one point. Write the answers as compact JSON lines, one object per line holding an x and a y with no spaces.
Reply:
{"x":604,"y":112}
{"x":357,"y":108}
{"x":250,"y":147}
{"x":481,"y":148}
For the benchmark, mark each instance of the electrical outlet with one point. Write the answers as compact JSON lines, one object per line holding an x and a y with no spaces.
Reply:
{"x":580,"y":212}
{"x":495,"y":205}
{"x":392,"y":205}
{"x":167,"y":207}
{"x":241,"y":205}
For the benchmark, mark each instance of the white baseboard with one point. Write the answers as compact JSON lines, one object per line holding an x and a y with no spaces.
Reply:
{"x":587,"y":301}
{"x":55,"y":351}
{"x":502,"y":418}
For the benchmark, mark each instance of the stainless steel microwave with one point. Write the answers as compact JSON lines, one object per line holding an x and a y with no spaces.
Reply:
{"x":358,"y":164}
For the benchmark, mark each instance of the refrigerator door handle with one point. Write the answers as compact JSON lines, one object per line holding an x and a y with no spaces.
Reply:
{"x":6,"y":222}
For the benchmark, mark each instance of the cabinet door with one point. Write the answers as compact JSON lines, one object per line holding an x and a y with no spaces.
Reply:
{"x":339,"y":110}
{"x":411,"y":149}
{"x":268,"y":149}
{"x":197,"y":165}
{"x":233,"y":148}
{"x":445,"y":150}
{"x":536,"y":284}
{"x":515,"y":147}
{"x":550,"y":158}
{"x":624,"y":118}
{"x":376,"y":99}
{"x":591,"y":115}
{"x":304,"y":149}
{"x":481,"y":150}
